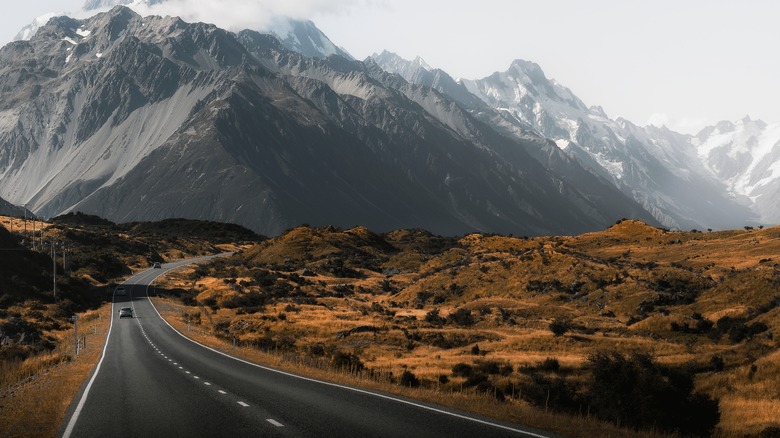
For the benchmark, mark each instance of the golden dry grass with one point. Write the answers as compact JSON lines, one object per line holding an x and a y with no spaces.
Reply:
{"x":514,"y":411}
{"x":36,"y":393}
{"x":515,"y":287}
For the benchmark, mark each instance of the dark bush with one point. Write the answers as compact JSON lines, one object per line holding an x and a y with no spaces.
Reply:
{"x":409,"y":379}
{"x":461,"y":317}
{"x":461,"y":370}
{"x":350,"y":361}
{"x":550,"y":364}
{"x":488,"y":367}
{"x":717,"y":363}
{"x":475,"y":379}
{"x":506,"y":369}
{"x":737,"y":328}
{"x":636,"y":391}
{"x":560,"y":326}
{"x":251,"y":299}
{"x":433,"y":317}
{"x":550,"y":393}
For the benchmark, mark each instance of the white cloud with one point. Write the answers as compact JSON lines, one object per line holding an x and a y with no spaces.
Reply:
{"x":236,"y":15}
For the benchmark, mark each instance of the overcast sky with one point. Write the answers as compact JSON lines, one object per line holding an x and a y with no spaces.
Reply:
{"x":683,"y":63}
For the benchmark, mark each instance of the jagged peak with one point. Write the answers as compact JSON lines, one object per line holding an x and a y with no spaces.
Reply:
{"x":528,"y":67}
{"x":598,"y":110}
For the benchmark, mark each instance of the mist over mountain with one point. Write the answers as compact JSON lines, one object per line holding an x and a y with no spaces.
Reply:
{"x":135,"y":118}
{"x":660,"y":169}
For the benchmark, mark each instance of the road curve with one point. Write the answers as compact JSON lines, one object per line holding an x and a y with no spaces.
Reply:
{"x":153,"y":381}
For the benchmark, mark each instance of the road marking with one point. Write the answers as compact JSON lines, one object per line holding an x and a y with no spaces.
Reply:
{"x":181,"y":368}
{"x":274,"y":422}
{"x":83,"y":400}
{"x":207,"y":383}
{"x":187,"y":372}
{"x":352,"y":389}
{"x":243,"y":404}
{"x":309,"y":379}
{"x":196,"y":377}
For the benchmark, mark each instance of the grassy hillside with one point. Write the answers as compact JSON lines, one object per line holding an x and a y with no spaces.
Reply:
{"x":98,"y":253}
{"x":693,"y":317}
{"x":39,"y":373}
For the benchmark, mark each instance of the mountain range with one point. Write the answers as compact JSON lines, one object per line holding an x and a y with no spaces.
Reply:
{"x":671,"y":175}
{"x":137,"y":118}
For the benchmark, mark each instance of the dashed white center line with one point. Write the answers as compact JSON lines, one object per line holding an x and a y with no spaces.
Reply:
{"x":207,"y":383}
{"x":222,"y":392}
{"x":243,"y":404}
{"x":187,"y":372}
{"x":274,"y":422}
{"x":196,"y":377}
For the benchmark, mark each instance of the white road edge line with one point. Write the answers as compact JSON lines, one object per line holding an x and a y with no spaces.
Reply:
{"x":76,"y":412}
{"x":336,"y":385}
{"x":75,"y":417}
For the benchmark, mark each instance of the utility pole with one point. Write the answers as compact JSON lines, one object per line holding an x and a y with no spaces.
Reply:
{"x":54,"y":268}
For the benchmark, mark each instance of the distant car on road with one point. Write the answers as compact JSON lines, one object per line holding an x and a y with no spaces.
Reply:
{"x":125,"y":312}
{"x":156,"y":265}
{"x":121,"y":291}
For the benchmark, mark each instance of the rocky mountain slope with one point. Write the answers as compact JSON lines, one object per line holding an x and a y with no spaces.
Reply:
{"x":137,"y":118}
{"x":8,"y":209}
{"x":659,"y":168}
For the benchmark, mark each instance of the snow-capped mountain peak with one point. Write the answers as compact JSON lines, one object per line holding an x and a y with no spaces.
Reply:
{"x":28,"y":31}
{"x":304,"y":37}
{"x":746,"y":155}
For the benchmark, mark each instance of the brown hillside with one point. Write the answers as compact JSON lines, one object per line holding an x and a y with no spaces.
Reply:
{"x":708,"y":303}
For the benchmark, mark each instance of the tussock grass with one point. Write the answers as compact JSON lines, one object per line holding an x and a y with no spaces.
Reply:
{"x":35,"y":393}
{"x":631,"y":288}
{"x":514,"y":411}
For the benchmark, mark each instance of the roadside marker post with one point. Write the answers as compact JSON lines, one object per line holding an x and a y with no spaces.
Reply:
{"x":75,"y":319}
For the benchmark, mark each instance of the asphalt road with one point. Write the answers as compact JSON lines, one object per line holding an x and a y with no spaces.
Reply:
{"x":154,"y":382}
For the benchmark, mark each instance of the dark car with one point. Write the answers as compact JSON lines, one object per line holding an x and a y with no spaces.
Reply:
{"x":125,"y":312}
{"x":121,"y":290}
{"x":157,"y":265}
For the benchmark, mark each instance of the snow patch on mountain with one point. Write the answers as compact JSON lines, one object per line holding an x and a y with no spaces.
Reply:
{"x":746,"y":155}
{"x":28,"y":31}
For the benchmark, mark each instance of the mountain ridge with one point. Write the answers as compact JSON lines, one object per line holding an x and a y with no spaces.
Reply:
{"x":660,"y":169}
{"x":149,"y":118}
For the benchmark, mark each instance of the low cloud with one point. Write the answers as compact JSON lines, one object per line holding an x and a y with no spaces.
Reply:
{"x":236,"y":15}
